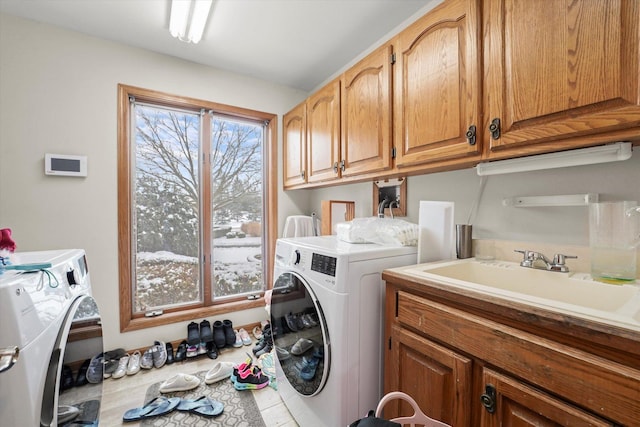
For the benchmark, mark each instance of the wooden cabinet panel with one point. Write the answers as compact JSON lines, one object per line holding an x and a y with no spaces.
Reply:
{"x":437,"y":378}
{"x":561,"y":69}
{"x":294,"y":146}
{"x":323,"y":133}
{"x":517,"y":404}
{"x":437,"y":85}
{"x":366,"y":141}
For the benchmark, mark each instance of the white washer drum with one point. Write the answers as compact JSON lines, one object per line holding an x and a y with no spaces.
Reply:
{"x":48,"y":320}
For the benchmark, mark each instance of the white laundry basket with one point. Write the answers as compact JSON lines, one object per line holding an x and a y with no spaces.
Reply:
{"x":418,"y":417}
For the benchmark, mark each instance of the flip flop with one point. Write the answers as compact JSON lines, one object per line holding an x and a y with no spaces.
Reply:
{"x":158,"y":406}
{"x":202,"y":406}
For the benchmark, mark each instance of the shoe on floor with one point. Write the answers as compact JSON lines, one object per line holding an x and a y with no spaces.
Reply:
{"x":193,"y":334}
{"x":282,"y":354}
{"x":133,"y":367}
{"x":146,"y":361}
{"x":159,"y":354}
{"x":244,"y":336}
{"x":158,"y":406}
{"x":81,"y":378}
{"x":95,"y":371}
{"x":219,"y":337}
{"x":212,"y":351}
{"x":180,"y":382}
{"x":192,"y":350}
{"x":206,"y":334}
{"x":202,"y":406}
{"x":66,"y":413}
{"x":230,"y":336}
{"x":238,"y":342}
{"x":121,"y":370}
{"x":181,"y":351}
{"x":170,"y":356}
{"x":220,"y":371}
{"x":250,"y":379}
{"x":301,"y":346}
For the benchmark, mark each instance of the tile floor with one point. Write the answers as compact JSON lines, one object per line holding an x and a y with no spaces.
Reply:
{"x":128,"y":392}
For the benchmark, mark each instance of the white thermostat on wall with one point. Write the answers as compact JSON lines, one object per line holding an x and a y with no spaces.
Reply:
{"x":65,"y":165}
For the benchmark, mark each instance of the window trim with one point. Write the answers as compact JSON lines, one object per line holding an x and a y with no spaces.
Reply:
{"x":129,"y":322}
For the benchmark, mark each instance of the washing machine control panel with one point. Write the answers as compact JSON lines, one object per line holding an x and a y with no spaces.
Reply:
{"x":323,"y":264}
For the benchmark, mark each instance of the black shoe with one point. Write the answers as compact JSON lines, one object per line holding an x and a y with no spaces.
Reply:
{"x":67,"y":378}
{"x":230,"y":336}
{"x":81,"y":378}
{"x":181,"y":352}
{"x":170,"y":358}
{"x":206,"y":335}
{"x":212,"y":352}
{"x":219,"y":337}
{"x":193,"y":334}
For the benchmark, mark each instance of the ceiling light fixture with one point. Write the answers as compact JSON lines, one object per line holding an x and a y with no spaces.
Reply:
{"x":188,"y":19}
{"x":584,"y":156}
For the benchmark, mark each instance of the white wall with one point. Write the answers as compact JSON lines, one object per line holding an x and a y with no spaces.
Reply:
{"x":558,"y":225}
{"x":58,"y":93}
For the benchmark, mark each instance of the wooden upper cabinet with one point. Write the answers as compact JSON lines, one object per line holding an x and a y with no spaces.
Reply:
{"x":366,"y":141}
{"x":437,"y":89}
{"x":557,"y":70}
{"x":294,"y":147}
{"x":323,"y":133}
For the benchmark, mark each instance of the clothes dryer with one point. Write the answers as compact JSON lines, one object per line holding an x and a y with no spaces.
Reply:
{"x":38,"y":308}
{"x":327,"y":311}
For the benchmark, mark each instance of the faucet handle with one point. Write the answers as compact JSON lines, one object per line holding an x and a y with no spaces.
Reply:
{"x":558,"y":259}
{"x":558,"y":262}
{"x":528,"y":257}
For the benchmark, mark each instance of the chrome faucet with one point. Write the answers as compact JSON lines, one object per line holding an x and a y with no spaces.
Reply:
{"x":532,"y":259}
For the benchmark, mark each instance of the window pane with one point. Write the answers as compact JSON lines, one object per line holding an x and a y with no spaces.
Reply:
{"x":236,"y":185}
{"x":166,"y":208}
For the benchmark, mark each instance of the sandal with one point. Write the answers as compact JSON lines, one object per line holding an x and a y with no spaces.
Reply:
{"x":202,"y":406}
{"x":257,"y":332}
{"x":158,"y":406}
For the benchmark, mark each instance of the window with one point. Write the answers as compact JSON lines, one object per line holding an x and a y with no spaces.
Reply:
{"x":196,"y":210}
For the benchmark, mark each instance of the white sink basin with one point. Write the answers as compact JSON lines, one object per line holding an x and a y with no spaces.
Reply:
{"x":566,"y":292}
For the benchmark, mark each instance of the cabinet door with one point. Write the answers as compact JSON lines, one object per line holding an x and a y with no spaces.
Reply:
{"x":294,"y":146}
{"x":366,"y":114}
{"x":437,"y":378}
{"x":557,"y":70}
{"x":323,"y":133}
{"x":437,"y":85}
{"x":516,"y":404}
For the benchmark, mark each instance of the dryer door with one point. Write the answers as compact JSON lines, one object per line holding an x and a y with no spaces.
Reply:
{"x":300,"y":334}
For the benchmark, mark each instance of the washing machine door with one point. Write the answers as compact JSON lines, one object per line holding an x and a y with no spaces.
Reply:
{"x":300,"y":334}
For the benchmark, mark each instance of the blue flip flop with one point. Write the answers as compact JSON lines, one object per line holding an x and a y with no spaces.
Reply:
{"x":201,"y":406}
{"x":156,"y":407}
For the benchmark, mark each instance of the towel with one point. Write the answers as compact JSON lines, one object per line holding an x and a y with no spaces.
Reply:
{"x":298,"y":226}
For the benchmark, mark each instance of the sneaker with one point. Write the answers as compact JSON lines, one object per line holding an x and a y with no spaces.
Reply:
{"x":133,"y":367}
{"x":109,"y":367}
{"x":159,"y":354}
{"x":244,"y":336}
{"x":146,"y":361}
{"x":96,"y":369}
{"x":212,"y":351}
{"x":264,"y":350}
{"x":238,"y":341}
{"x":202,"y":348}
{"x":192,"y":350}
{"x":250,"y":379}
{"x":121,"y":370}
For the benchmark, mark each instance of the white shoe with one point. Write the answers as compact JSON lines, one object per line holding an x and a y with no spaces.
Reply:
{"x":121,"y":370}
{"x":244,"y":335}
{"x":180,"y":382}
{"x":134,"y":363}
{"x":238,"y":342}
{"x":220,"y":371}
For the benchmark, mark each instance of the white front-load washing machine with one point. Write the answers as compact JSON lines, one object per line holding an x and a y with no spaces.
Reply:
{"x":40,"y":304}
{"x":327,"y":310}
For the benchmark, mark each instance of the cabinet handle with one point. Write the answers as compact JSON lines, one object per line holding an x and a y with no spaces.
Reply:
{"x":494,"y":128}
{"x":342,"y":167}
{"x":488,"y":399}
{"x":471,"y":135}
{"x":302,"y":174}
{"x":335,"y":167}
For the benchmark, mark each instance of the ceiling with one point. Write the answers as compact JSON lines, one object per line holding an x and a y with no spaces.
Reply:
{"x":296,"y":43}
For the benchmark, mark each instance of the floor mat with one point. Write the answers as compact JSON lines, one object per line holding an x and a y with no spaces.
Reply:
{"x":240,"y":408}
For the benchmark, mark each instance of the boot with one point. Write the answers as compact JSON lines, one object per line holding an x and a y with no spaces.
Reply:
{"x":219,"y":337}
{"x":228,"y":332}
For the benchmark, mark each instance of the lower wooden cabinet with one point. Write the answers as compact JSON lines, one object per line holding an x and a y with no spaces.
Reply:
{"x":475,"y":363}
